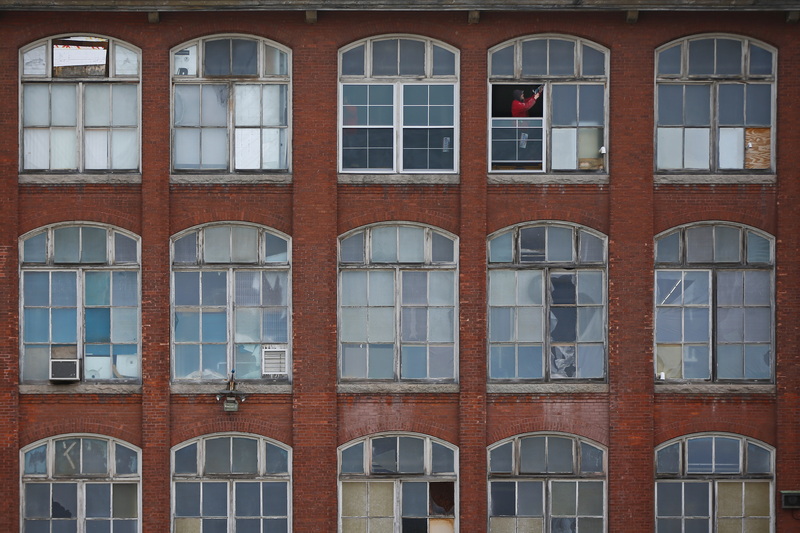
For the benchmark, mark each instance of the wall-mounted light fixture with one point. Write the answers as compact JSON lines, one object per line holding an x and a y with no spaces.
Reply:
{"x":230,"y":397}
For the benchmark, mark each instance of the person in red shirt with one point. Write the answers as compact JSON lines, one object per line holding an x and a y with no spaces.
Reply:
{"x":520,"y":105}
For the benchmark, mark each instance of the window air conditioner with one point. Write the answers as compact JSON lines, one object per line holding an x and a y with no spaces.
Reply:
{"x":64,"y":369}
{"x":273,"y":360}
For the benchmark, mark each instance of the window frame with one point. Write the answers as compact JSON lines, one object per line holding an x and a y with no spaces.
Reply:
{"x":397,"y":268}
{"x":398,"y":82}
{"x":547,"y":83}
{"x":261,"y":266}
{"x":714,"y":81}
{"x":714,"y":268}
{"x":81,"y":480}
{"x":547,"y":268}
{"x":714,"y":479}
{"x":110,"y":265}
{"x":262,"y":79}
{"x":397,"y":479}
{"x":112,"y":78}
{"x":547,"y":479}
{"x":230,"y":479}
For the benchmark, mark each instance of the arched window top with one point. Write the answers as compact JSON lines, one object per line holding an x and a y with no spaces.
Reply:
{"x":80,"y":56}
{"x":547,"y":454}
{"x":398,"y":243}
{"x":716,"y":243}
{"x":230,"y":56}
{"x":398,"y":453}
{"x":407,"y":56}
{"x":714,"y":454}
{"x":229,"y":454}
{"x":545,"y":56}
{"x":711,"y":56}
{"x":548,"y":243}
{"x":82,"y":244}
{"x":80,"y":456}
{"x":230,"y":243}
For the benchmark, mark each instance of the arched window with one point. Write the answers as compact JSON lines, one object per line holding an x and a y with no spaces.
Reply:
{"x":548,"y":105}
{"x":80,"y":105}
{"x":714,"y":303}
{"x":549,"y":483}
{"x":398,"y":109}
{"x":81,"y":483}
{"x":80,"y":302}
{"x":398,"y":482}
{"x":715,"y":483}
{"x":547,"y":303}
{"x":231,"y":483}
{"x":230,"y":105}
{"x":715,"y":105}
{"x":397,"y":304}
{"x":231,"y":303}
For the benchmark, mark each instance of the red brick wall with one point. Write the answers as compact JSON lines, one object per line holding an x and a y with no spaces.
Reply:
{"x":630,"y":419}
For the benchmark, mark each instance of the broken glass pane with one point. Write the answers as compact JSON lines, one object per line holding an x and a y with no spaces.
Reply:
{"x":562,"y":361}
{"x":442,"y":498}
{"x":563,"y":288}
{"x":384,"y":455}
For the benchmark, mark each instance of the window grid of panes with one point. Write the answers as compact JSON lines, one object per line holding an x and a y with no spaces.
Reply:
{"x":398,"y":106}
{"x":80,"y":301}
{"x":397,"y":304}
{"x":714,"y":304}
{"x":715,"y":105}
{"x":714,"y":483}
{"x":81,"y":484}
{"x":80,"y":105}
{"x":231,"y":303}
{"x":232,"y":484}
{"x":546,"y":483}
{"x":547,"y":303}
{"x":230,"y":105}
{"x":393,"y":483}
{"x":565,"y":130}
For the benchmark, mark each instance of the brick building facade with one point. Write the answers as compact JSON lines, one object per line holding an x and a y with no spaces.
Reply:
{"x":442,"y":317}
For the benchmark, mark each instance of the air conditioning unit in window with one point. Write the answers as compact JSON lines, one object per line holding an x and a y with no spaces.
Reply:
{"x":273,"y":360}
{"x":64,"y":369}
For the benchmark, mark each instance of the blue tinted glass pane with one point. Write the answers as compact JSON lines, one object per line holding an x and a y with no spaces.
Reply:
{"x":98,"y":288}
{"x":275,"y":498}
{"x":36,"y":288}
{"x":247,"y":499}
{"x":277,"y":460}
{"x":187,"y":326}
{"x":125,"y":289}
{"x":186,"y":460}
{"x":98,"y":500}
{"x":124,"y":249}
{"x":215,"y":328}
{"x":127,"y":460}
{"x":66,"y":247}
{"x":93,"y":245}
{"x":98,"y":325}
{"x":35,"y":249}
{"x":214,"y":288}
{"x":65,"y":323}
{"x":187,"y":499}
{"x":353,"y":459}
{"x":37,"y":325}
{"x":187,"y":288}
{"x":276,"y":249}
{"x":215,"y":499}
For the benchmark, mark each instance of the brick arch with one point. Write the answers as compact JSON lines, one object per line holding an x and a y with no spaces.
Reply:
{"x":100,"y":215}
{"x":33,"y":433}
{"x":264,"y":213}
{"x":717,"y":424}
{"x":418,"y":215}
{"x":682,"y":218}
{"x":226,"y":424}
{"x":424,"y":427}
{"x":575,"y":428}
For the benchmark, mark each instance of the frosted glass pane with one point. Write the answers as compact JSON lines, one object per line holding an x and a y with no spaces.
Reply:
{"x":34,"y":62}
{"x":215,"y":105}
{"x":670,"y":148}
{"x":187,"y":148}
{"x":412,"y":245}
{"x":503,"y":61}
{"x":731,"y":148}
{"x":502,"y":289}
{"x":217,"y":244}
{"x":124,"y":105}
{"x":248,"y":105}
{"x":380,"y":325}
{"x":561,"y":57}
{"x":590,"y":105}
{"x":696,"y":148}
{"x":63,"y":149}
{"x":274,"y":106}
{"x":247,"y":148}
{"x":97,"y":104}
{"x":245,"y":244}
{"x":593,"y":62}
{"x":214,"y":152}
{"x":63,"y":105}
{"x":124,"y":149}
{"x":384,"y":244}
{"x":36,"y":145}
{"x":36,"y":105}
{"x":125,"y":325}
{"x":187,"y":105}
{"x":96,"y":149}
{"x":564,"y":148}
{"x":273,"y":148}
{"x":126,"y":61}
{"x":248,"y":325}
{"x":565,"y":102}
{"x":354,"y":325}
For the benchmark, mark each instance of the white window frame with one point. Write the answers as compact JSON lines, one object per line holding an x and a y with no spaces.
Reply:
{"x":713,"y":267}
{"x":231,"y":269}
{"x":80,"y":269}
{"x":81,"y":480}
{"x":397,"y":268}
{"x":112,"y":79}
{"x":714,"y":81}
{"x":397,"y":82}
{"x":548,"y":267}
{"x":231,"y":478}
{"x":261,"y":79}
{"x":711,"y":479}
{"x":595,"y":165}
{"x":397,"y":479}
{"x":547,"y":479}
